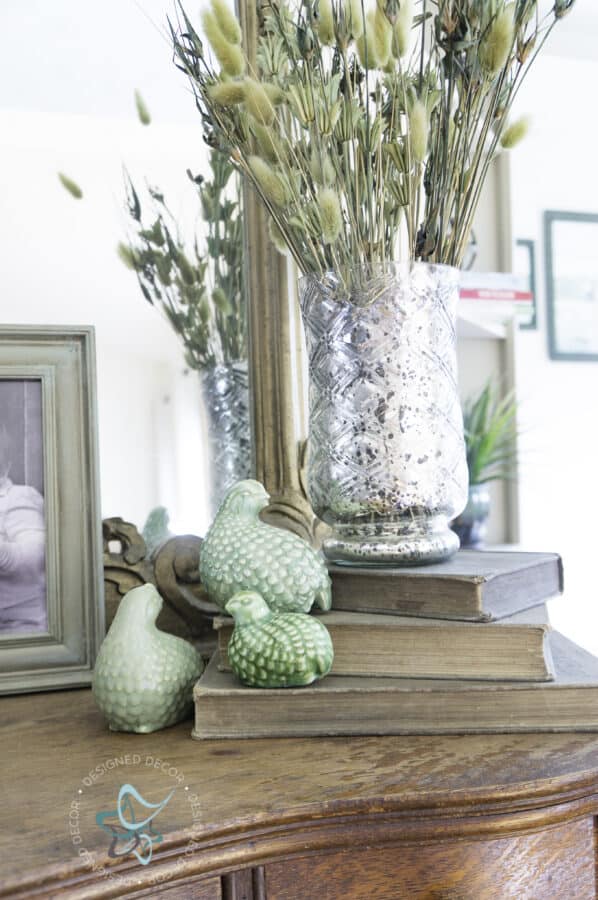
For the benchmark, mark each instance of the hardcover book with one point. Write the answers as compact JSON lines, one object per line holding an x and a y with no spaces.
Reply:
{"x":515,"y":648}
{"x":475,"y":585}
{"x":344,"y":705}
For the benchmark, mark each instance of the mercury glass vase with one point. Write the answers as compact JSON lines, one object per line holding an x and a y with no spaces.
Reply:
{"x":386,"y":465}
{"x":225,"y":390}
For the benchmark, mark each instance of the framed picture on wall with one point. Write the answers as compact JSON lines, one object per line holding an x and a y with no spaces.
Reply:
{"x":571,"y":240}
{"x":524,"y":264}
{"x":51,"y":580}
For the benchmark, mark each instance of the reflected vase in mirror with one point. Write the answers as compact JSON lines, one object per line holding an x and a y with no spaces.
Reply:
{"x":471,"y":525}
{"x":386,"y":454}
{"x":225,"y":391}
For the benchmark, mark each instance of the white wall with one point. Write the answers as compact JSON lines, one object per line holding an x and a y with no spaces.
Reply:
{"x":68,"y":72}
{"x":555,"y":168}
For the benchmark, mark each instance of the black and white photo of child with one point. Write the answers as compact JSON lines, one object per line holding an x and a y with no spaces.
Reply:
{"x":23,"y":598}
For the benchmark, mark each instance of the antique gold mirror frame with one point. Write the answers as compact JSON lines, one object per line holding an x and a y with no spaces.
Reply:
{"x":276,"y":357}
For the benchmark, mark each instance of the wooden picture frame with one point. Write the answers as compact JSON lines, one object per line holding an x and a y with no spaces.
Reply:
{"x":570,"y":241}
{"x":51,"y":625}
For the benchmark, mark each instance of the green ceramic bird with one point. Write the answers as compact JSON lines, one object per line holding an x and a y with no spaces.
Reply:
{"x":273,"y":650}
{"x":143,"y":678}
{"x":242,"y":553}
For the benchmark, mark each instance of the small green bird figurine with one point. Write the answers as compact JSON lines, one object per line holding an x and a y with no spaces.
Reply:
{"x":242,"y":553}
{"x":143,"y":678}
{"x":273,"y":650}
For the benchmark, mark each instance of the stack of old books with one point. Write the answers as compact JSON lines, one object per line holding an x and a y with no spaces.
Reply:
{"x":455,"y":648}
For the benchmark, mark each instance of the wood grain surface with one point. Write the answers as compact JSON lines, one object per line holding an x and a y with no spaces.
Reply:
{"x":553,"y":865}
{"x":258,"y":802}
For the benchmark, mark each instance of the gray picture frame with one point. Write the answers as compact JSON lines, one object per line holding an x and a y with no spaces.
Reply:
{"x":553,"y":293}
{"x":63,"y":359}
{"x":529,"y":247}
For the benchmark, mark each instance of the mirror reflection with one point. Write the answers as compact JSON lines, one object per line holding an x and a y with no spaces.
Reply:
{"x":60,"y":262}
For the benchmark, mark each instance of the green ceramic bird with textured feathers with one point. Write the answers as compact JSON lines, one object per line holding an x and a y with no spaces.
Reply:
{"x":273,"y":650}
{"x":143,"y":678}
{"x":242,"y":553}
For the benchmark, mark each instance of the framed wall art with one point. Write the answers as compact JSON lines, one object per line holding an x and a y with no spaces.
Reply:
{"x":524,"y":264}
{"x":572,"y":284}
{"x":51,"y":577}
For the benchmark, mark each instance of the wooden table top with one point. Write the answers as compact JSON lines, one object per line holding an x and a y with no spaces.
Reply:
{"x":61,"y":766}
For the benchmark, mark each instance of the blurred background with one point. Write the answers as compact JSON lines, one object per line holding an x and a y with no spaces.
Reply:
{"x":68,"y":73}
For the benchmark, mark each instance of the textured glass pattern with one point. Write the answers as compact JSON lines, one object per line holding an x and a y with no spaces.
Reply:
{"x":386,"y":461}
{"x":225,"y":391}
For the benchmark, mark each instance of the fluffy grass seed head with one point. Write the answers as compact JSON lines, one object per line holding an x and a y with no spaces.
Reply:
{"x":275,"y":94}
{"x":497,"y":42}
{"x":258,"y":103}
{"x":418,"y":130}
{"x":230,"y":56}
{"x":221,"y":302}
{"x":227,"y":21}
{"x":127,"y":256}
{"x":364,"y":44}
{"x":269,"y":145}
{"x":514,"y":133}
{"x":277,"y":237}
{"x":270,"y":184}
{"x":227,"y":93}
{"x":354,"y":15}
{"x":402,"y":29}
{"x":71,"y":186}
{"x":142,"y":110}
{"x":330,"y":215}
{"x":382,"y":37}
{"x":326,"y":22}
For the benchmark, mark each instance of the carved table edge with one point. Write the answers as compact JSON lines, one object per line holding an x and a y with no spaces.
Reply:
{"x":248,"y":844}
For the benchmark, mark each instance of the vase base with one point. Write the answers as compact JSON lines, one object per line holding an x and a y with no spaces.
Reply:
{"x":351,"y":546}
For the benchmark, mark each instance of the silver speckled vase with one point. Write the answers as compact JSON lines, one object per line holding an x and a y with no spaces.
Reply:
{"x":225,"y":390}
{"x":386,"y":455}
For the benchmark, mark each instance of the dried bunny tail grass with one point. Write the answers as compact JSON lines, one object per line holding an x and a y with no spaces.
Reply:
{"x":497,"y":42}
{"x":364,"y":44}
{"x":326,"y":22}
{"x":230,"y":56}
{"x":402,"y":29}
{"x":127,"y":256}
{"x":330,"y":215}
{"x":382,"y":37}
{"x":418,"y":130}
{"x":258,"y":103}
{"x":277,"y":237}
{"x":321,"y":169}
{"x":268,"y":143}
{"x":227,"y":93}
{"x":222,"y":302}
{"x":71,"y":186}
{"x":514,"y":133}
{"x":227,"y":21}
{"x":142,"y":111}
{"x":354,"y":14}
{"x":275,"y":94}
{"x":270,"y":184}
